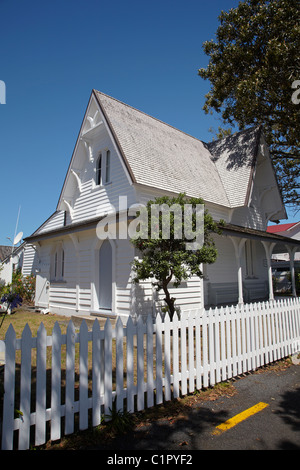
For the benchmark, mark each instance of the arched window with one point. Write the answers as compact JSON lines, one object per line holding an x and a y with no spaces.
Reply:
{"x":98,"y":170}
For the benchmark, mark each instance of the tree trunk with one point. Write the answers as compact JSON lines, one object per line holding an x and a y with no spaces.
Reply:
{"x":170,"y":301}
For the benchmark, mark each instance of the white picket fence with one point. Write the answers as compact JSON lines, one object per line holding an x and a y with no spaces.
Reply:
{"x":134,"y":365}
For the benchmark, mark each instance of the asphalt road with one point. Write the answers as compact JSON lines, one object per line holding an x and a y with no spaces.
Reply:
{"x":275,"y":427}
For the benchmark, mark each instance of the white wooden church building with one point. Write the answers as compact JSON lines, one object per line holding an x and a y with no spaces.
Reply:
{"x":124,"y":156}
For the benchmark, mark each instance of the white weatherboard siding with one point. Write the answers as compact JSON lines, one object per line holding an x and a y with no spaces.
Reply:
{"x":54,"y":222}
{"x":93,"y":201}
{"x":30,"y":263}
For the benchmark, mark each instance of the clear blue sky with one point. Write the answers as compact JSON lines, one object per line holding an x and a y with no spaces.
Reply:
{"x":53,"y":53}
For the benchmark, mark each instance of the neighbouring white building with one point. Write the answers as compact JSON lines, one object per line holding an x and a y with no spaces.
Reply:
{"x":123,"y":154}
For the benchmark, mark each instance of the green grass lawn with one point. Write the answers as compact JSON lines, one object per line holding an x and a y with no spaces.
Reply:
{"x":20,"y":317}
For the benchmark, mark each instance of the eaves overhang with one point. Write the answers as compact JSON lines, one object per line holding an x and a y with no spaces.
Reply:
{"x":244,"y":232}
{"x":74,"y":228}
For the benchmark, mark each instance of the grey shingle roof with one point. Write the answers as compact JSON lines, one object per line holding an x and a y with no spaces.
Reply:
{"x":234,"y":157}
{"x":4,"y":252}
{"x":160,"y":156}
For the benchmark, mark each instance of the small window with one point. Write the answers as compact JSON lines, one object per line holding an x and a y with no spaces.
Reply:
{"x":107,"y":167}
{"x":98,"y":170}
{"x":103,"y":168}
{"x":58,"y":266}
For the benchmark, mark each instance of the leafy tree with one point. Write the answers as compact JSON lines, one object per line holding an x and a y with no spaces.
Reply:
{"x":254,"y":71}
{"x":169,"y":260}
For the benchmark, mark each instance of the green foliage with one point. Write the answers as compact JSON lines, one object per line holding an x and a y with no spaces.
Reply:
{"x":119,"y":421}
{"x":24,"y":286}
{"x":252,"y":65}
{"x":168,"y":260}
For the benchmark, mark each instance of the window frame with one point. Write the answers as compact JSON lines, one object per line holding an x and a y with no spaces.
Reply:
{"x":58,"y":264}
{"x":103,"y":168}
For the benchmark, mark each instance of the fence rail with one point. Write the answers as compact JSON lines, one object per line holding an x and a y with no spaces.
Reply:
{"x":133,"y":366}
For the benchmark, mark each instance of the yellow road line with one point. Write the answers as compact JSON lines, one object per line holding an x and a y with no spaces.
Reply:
{"x":240,"y":417}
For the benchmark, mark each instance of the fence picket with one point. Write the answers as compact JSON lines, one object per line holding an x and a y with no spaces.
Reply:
{"x":159,"y":370}
{"x":204,"y":349}
{"x":96,"y":374}
{"x":183,"y":367}
{"x":107,"y":368}
{"x":201,"y":349}
{"x":198,"y":341}
{"x":228,"y":341}
{"x":40,"y":414}
{"x":167,"y":358}
{"x":25,"y":388}
{"x":175,"y":325}
{"x":217,"y":346}
{"x":9,"y":389}
{"x":211,"y":347}
{"x":252,"y":337}
{"x":150,"y":382}
{"x":140,"y":364}
{"x":83,"y":376}
{"x":223,"y":345}
{"x":129,"y":365}
{"x":119,"y":365}
{"x":234,"y":346}
{"x":261,"y":339}
{"x":239,"y":340}
{"x":70,"y":378}
{"x":56,"y":384}
{"x":297,"y":321}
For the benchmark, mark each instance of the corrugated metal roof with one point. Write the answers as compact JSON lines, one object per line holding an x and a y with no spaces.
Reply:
{"x":280,"y":227}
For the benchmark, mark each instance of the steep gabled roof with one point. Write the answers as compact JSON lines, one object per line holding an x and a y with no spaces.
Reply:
{"x":235,"y":159}
{"x":166,"y":158}
{"x":161,"y":156}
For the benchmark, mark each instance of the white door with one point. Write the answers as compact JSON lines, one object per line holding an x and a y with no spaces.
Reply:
{"x":105,"y":276}
{"x":42,"y":288}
